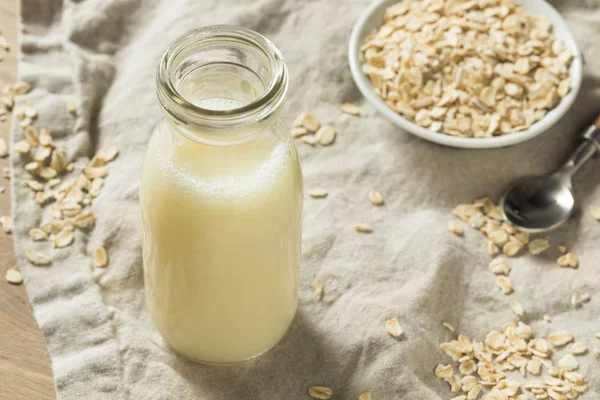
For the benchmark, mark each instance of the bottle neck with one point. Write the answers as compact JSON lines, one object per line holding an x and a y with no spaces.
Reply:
{"x":231,"y":136}
{"x":221,"y":84}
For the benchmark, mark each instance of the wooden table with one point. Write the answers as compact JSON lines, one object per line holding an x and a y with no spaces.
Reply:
{"x":25,"y":372}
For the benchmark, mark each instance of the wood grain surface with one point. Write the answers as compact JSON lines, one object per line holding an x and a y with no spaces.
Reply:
{"x":25,"y":372}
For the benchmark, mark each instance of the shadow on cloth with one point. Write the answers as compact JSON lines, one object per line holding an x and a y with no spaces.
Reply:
{"x":284,"y":359}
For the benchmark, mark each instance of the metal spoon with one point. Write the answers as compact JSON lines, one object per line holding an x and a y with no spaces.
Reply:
{"x":539,"y":203}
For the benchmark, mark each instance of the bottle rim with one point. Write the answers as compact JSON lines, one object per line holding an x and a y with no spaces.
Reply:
{"x":209,"y":120}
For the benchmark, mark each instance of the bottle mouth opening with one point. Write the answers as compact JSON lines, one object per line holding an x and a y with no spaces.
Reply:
{"x":221,"y":77}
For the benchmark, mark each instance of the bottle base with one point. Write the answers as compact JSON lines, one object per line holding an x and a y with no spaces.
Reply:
{"x":232,"y":363}
{"x":220,"y":364}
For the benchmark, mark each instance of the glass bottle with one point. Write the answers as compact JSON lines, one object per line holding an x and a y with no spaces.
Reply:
{"x":221,"y":198}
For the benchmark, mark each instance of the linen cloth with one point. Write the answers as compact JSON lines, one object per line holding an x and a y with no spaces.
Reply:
{"x":101,"y":55}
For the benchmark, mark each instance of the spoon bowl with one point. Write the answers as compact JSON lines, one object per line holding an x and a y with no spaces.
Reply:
{"x":538,"y":203}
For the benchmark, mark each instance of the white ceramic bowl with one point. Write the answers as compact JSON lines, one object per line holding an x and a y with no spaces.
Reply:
{"x":372,"y":18}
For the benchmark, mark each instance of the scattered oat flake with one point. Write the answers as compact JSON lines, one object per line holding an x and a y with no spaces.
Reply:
{"x":33,"y":167}
{"x":376,"y":198}
{"x":25,"y":122}
{"x":30,"y":112}
{"x":455,"y":228}
{"x":547,"y":318}
{"x":468,"y":381}
{"x":320,"y":392}
{"x":97,"y":172}
{"x":517,"y":308}
{"x":568,"y":260}
{"x":85,"y":219}
{"x":455,"y":383}
{"x":319,"y":289}
{"x":21,"y":87}
{"x":505,"y":284}
{"x":363,"y":228}
{"x":38,"y":234}
{"x":43,"y":197}
{"x":511,"y":249}
{"x":37,"y":258}
{"x":492,"y":248}
{"x":444,"y":371}
{"x":534,"y":366}
{"x":22,"y":147}
{"x":561,"y":249}
{"x":595,"y":210}
{"x":45,"y":138}
{"x":318,"y":193}
{"x":71,"y":107}
{"x":41,"y":154}
{"x":307,"y":121}
{"x":538,"y":246}
{"x":578,"y":348}
{"x":499,"y":266}
{"x":100,"y":257}
{"x":467,"y":367}
{"x":13,"y":276}
{"x":474,"y":392}
{"x":96,"y":185}
{"x":465,"y":211}
{"x":560,"y":338}
{"x":453,"y":349}
{"x":97,"y":161}
{"x":59,"y":160}
{"x":568,"y":362}
{"x":70,"y":208}
{"x":365,"y":396}
{"x":394,"y":328}
{"x":325,"y":135}
{"x":110,"y":154}
{"x":350,"y":108}
{"x":31,"y":135}
{"x":299,"y":131}
{"x":64,"y":238}
{"x":495,"y":340}
{"x":34,"y":185}
{"x":499,"y":237}
{"x":47,"y":173}
{"x":448,"y":326}
{"x":596,"y":352}
{"x":578,"y":299}
{"x":7,"y":223}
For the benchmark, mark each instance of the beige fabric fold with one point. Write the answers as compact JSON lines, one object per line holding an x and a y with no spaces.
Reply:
{"x":101,"y":55}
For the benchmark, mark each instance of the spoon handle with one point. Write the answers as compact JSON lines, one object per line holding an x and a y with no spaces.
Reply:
{"x":593,"y":133}
{"x":584,"y":151}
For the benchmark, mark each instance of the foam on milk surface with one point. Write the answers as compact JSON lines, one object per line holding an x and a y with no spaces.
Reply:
{"x":219,"y":104}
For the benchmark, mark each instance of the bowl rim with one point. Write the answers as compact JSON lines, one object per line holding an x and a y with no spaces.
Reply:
{"x":541,"y":126}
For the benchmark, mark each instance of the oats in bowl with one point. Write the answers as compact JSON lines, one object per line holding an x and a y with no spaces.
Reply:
{"x":469,"y":69}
